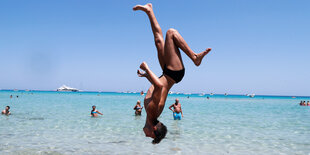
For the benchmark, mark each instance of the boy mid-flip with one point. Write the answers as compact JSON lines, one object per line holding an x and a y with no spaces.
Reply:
{"x":173,"y":71}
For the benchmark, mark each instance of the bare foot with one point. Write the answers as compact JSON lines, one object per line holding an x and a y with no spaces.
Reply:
{"x":200,"y":56}
{"x":141,"y":74}
{"x":144,"y":66}
{"x":146,"y":8}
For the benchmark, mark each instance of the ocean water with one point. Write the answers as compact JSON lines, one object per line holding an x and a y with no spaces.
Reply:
{"x":59,"y":123}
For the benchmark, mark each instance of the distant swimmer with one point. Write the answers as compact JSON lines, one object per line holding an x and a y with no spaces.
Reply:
{"x":308,"y":104}
{"x":141,"y":93}
{"x":94,"y":112}
{"x":177,"y":110}
{"x":11,"y":96}
{"x":6,"y":111}
{"x":171,"y":63}
{"x":300,"y":103}
{"x":138,"y":108}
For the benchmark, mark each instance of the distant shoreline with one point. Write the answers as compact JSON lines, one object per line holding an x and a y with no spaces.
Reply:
{"x":128,"y":92}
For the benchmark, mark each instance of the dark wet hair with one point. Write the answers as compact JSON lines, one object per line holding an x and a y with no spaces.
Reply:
{"x":8,"y":107}
{"x":92,"y":110}
{"x":160,"y":132}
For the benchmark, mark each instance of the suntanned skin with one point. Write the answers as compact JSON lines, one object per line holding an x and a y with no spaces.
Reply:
{"x":96,"y":114}
{"x":138,"y":105}
{"x":6,"y":111}
{"x":176,"y":107}
{"x":168,"y":54}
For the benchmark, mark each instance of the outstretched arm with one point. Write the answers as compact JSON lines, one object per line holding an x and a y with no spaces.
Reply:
{"x":157,"y":84}
{"x":99,"y":112}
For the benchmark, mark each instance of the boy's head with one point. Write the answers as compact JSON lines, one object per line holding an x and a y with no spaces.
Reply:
{"x":160,"y":131}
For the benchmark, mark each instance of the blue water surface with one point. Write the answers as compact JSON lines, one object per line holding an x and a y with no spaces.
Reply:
{"x":59,"y":123}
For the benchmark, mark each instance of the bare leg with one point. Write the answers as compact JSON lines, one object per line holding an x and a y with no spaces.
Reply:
{"x":157,"y":32}
{"x":172,"y":54}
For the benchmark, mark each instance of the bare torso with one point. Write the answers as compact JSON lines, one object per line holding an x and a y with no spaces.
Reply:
{"x":177,"y":108}
{"x":138,"y":109}
{"x":153,"y":109}
{"x":5,"y":112}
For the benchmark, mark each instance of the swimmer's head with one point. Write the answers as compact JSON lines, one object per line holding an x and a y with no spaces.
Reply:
{"x":160,"y":131}
{"x":176,"y":101}
{"x":7,"y":108}
{"x":138,"y":102}
{"x":94,"y":107}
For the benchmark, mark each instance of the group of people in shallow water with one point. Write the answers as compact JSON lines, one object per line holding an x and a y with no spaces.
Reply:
{"x":303,"y":103}
{"x":177,"y":109}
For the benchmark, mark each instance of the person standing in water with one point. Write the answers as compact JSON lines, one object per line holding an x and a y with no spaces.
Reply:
{"x":170,"y":61}
{"x":177,"y":110}
{"x":94,"y":112}
{"x":6,"y":111}
{"x":138,"y":108}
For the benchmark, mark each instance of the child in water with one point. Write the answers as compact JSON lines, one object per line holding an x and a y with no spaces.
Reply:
{"x":6,"y":111}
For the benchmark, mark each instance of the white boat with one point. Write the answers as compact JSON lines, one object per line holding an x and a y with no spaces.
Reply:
{"x":66,"y":88}
{"x":251,"y":95}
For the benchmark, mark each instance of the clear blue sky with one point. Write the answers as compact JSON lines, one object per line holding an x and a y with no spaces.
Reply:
{"x":260,"y":47}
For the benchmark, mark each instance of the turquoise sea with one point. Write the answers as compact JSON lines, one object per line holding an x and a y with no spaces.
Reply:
{"x":59,"y":123}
